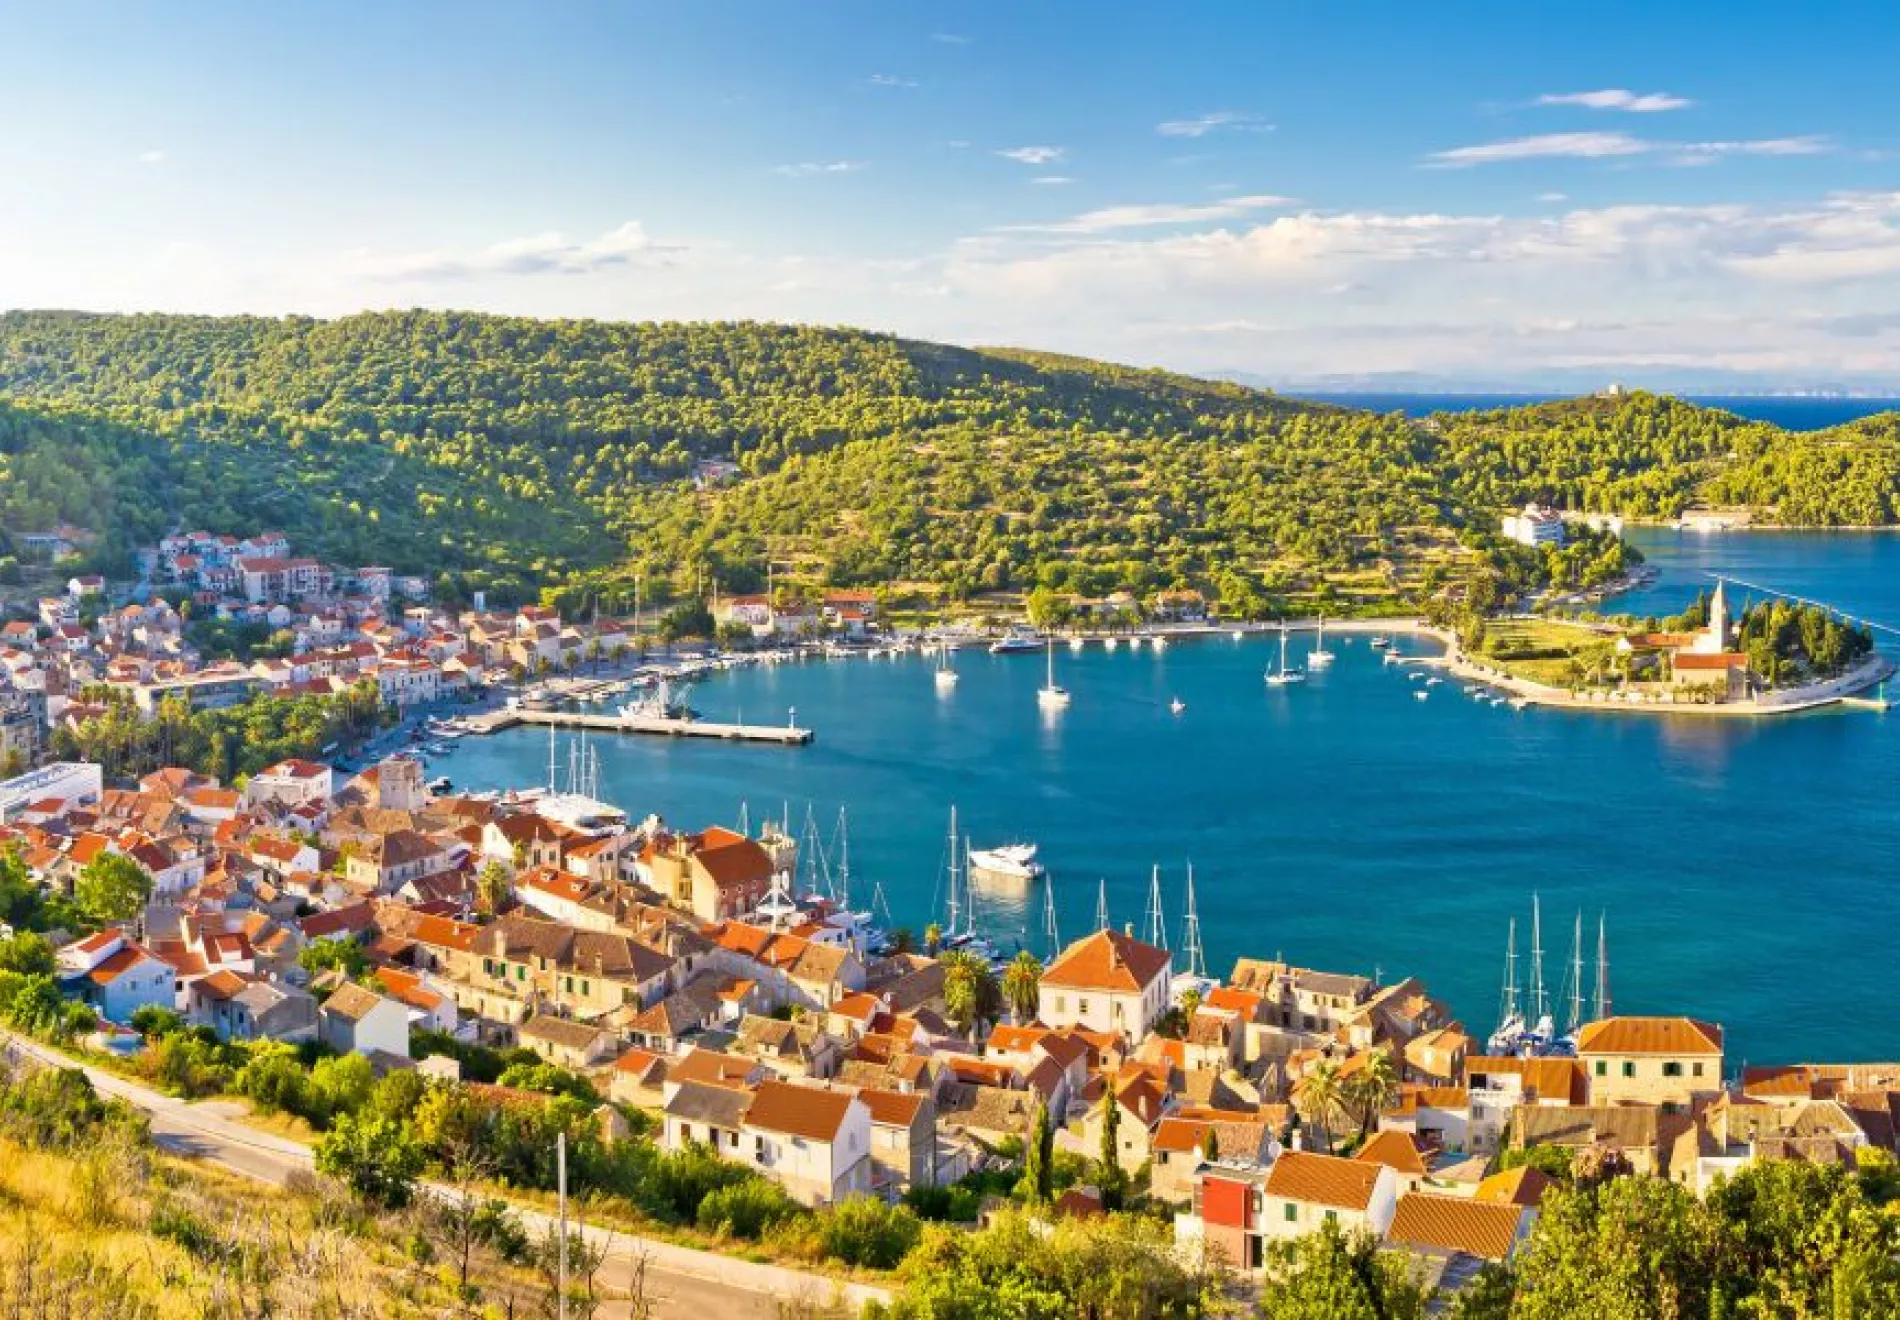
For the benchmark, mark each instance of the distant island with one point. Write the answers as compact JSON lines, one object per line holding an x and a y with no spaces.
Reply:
{"x":579,"y":462}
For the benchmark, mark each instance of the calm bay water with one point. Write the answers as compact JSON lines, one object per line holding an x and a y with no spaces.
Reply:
{"x":1791,"y":412}
{"x":1748,"y":869}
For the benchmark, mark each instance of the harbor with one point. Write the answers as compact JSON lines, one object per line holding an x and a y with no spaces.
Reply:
{"x":784,"y":735}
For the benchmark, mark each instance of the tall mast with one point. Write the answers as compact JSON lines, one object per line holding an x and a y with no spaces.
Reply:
{"x":1574,"y":1020}
{"x":844,"y":863}
{"x":550,"y":757}
{"x":1603,"y":970}
{"x":745,"y":826}
{"x":1049,"y":935}
{"x":1191,"y":953}
{"x":1157,"y":927}
{"x":1507,"y":1006}
{"x":969,"y":895}
{"x":1101,"y":904}
{"x":1540,"y":1009}
{"x":950,"y":908}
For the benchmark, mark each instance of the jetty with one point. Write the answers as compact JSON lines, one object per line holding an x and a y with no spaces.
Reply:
{"x":785,"y":735}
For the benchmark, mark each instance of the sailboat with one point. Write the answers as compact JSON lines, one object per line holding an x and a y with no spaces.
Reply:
{"x":1051,"y":696}
{"x":1319,"y":657}
{"x":946,"y":675}
{"x":1283,"y":676}
{"x":1504,"y":1041}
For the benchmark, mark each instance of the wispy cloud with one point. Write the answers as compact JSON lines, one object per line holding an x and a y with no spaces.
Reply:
{"x":536,"y":254}
{"x":1616,"y":98}
{"x":151,"y":158}
{"x":1108,"y":219}
{"x":1053,"y":180}
{"x":1034,"y":155}
{"x":807,"y":168}
{"x":949,"y":39}
{"x":1232,"y":121}
{"x":1597,"y":146}
{"x":890,"y":80}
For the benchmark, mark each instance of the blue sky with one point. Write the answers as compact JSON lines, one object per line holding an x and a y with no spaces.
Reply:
{"x":1285,"y":189}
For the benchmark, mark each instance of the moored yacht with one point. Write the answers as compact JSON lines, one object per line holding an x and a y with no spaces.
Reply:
{"x":1009,"y":861}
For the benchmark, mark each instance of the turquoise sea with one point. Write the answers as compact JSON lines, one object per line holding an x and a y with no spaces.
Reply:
{"x":1750,"y":871}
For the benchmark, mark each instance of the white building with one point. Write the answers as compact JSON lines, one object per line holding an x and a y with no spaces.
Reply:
{"x":1536,"y":525}
{"x":290,"y":784}
{"x":358,"y":1021}
{"x":71,"y":782}
{"x":1305,"y":1190}
{"x":812,"y":1141}
{"x":1109,"y":981}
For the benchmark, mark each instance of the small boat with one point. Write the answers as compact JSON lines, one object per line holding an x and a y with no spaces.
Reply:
{"x":1421,"y":695}
{"x":1433,"y":681}
{"x":1051,"y":695}
{"x":1497,"y":701}
{"x":946,"y":676}
{"x":1177,"y":705}
{"x":1283,"y":676}
{"x":1076,"y":644}
{"x":1158,"y":643}
{"x":1319,"y":657}
{"x":1009,"y":861}
{"x":440,"y":784}
{"x":1518,"y":703}
{"x":1381,"y":642}
{"x":1112,"y":642}
{"x":1237,"y":633}
{"x":438,"y":749}
{"x":1015,"y":643}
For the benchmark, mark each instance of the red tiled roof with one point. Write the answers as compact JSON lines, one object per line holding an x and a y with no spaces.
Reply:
{"x":1108,"y":961}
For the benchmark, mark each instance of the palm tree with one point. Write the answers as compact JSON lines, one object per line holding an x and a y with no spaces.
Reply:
{"x":1372,"y":1088}
{"x":1190,"y":1003}
{"x":1022,"y":986}
{"x":1320,"y":1099}
{"x":970,"y":995}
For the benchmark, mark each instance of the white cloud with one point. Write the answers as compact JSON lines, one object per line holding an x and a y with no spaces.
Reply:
{"x":536,"y":254}
{"x":1034,"y":155}
{"x":1616,"y":98}
{"x":1543,"y":145}
{"x":1053,"y":180}
{"x":1111,"y":218}
{"x":890,"y":80}
{"x":151,"y":157}
{"x":1220,"y":120}
{"x":1595,"y":146}
{"x":806,"y":168}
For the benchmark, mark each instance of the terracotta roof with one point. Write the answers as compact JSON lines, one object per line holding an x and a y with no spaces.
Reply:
{"x":1395,"y":1150}
{"x":713,"y":1068}
{"x":1649,"y":1035}
{"x":112,"y":968}
{"x":891,"y":1108}
{"x":1523,"y":1185}
{"x":1725,"y":660}
{"x":1323,"y":1180}
{"x":1109,"y":961}
{"x":1455,"y":1225}
{"x":799,"y":1111}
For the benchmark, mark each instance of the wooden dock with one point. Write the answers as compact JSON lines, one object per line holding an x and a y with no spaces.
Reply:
{"x":785,"y":735}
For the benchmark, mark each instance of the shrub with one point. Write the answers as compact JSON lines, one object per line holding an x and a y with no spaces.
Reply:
{"x":682,"y":1178}
{"x":274,"y":1080}
{"x":375,"y":1158}
{"x":746,"y":1209}
{"x":866,"y":1232}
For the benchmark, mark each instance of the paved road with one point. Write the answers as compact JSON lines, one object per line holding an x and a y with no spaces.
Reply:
{"x":684,"y":1282}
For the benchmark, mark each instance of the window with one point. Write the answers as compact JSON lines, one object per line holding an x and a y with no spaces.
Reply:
{"x":1603,"y":1068}
{"x":1081,"y":1005}
{"x":1292,"y":1212}
{"x":1629,"y":1069}
{"x":1332,"y":1216}
{"x":1698,"y":1069}
{"x":1672,"y":1069}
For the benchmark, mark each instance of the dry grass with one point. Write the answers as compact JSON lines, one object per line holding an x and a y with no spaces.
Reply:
{"x":122,"y":1233}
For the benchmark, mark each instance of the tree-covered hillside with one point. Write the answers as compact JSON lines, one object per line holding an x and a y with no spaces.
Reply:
{"x":514,"y":452}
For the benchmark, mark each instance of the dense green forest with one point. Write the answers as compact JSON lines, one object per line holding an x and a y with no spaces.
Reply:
{"x":514,"y":454}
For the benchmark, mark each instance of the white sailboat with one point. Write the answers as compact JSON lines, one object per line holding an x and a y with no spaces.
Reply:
{"x":1319,"y":657}
{"x":1283,"y":676}
{"x":946,"y":674}
{"x":1051,"y":695}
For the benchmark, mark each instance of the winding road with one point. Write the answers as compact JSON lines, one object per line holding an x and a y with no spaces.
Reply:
{"x":680,"y":1281}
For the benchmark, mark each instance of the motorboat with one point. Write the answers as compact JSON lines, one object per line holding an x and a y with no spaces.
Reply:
{"x":1009,"y":861}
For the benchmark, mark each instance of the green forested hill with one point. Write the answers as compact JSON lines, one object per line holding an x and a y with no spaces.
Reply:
{"x":513,"y":451}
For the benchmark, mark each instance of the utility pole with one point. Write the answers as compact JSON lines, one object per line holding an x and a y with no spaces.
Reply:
{"x":560,"y":1176}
